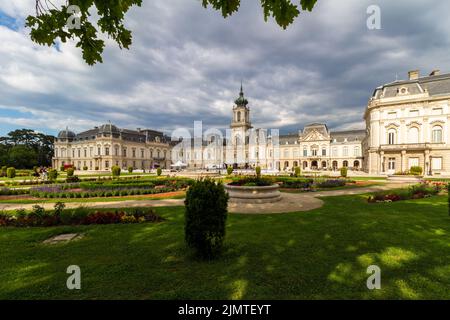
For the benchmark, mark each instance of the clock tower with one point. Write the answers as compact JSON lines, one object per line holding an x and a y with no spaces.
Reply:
{"x":240,"y":125}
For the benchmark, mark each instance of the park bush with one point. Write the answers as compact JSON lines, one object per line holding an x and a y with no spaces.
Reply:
{"x":11,"y":172}
{"x":72,"y":179}
{"x":38,"y":217}
{"x":344,"y":172}
{"x":70,"y":171}
{"x":158,"y":172}
{"x":130,"y":169}
{"x":297,"y":172}
{"x":115,"y":171}
{"x":205,"y":217}
{"x":416,"y":170}
{"x":52,"y":175}
{"x":3,"y":171}
{"x":62,"y":168}
{"x":258,"y":171}
{"x":229,"y":170}
{"x":330,"y":183}
{"x":418,"y":191}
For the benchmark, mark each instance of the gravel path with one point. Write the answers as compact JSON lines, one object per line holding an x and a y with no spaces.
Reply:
{"x":290,"y":202}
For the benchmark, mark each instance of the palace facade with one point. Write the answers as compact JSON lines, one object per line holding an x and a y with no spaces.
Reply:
{"x":103,"y":147}
{"x":313,"y":148}
{"x":408,"y":125}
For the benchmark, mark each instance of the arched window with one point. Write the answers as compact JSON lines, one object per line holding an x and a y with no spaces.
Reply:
{"x":345,"y":164}
{"x":436,"y":134}
{"x":239,"y":116}
{"x":392,"y":136}
{"x":413,"y":135}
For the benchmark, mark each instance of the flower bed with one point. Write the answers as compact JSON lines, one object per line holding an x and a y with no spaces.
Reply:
{"x":38,"y":217}
{"x":414,"y":192}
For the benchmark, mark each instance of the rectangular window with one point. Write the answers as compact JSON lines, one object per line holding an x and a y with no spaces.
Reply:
{"x":305,"y":152}
{"x":106,"y":164}
{"x":124,"y":152}
{"x":142,"y":153}
{"x":391,"y":164}
{"x":436,"y":163}
{"x":392,"y":115}
{"x":99,"y":151}
{"x":324,"y":152}
{"x":335,"y":152}
{"x":414,"y":113}
{"x":436,"y":111}
{"x":134,"y":153}
{"x":345,"y":153}
{"x":107,"y":151}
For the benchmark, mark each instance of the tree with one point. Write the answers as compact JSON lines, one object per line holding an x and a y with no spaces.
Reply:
{"x":22,"y":156}
{"x":72,"y":23}
{"x":25,"y":148}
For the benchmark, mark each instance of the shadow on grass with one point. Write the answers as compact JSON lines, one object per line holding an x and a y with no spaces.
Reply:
{"x":320,"y":254}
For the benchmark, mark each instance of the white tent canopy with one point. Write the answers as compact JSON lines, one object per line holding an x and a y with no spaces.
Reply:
{"x":179,"y":164}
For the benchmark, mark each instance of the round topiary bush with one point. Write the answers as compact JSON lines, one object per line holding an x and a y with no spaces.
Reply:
{"x":130,"y":169}
{"x":205,"y":217}
{"x":11,"y":172}
{"x":70,"y":172}
{"x":115,"y":171}
{"x":344,"y":172}
{"x":158,"y":172}
{"x":52,"y":175}
{"x":229,"y":170}
{"x":297,"y":171}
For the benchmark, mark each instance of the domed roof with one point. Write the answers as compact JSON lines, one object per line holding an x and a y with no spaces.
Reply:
{"x":109,"y":128}
{"x":66,"y":134}
{"x":241,"y":101}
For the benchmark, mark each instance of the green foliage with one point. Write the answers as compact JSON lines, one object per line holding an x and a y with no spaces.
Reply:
{"x":297,"y":172}
{"x":344,"y":172}
{"x":48,"y":25}
{"x":58,"y":208}
{"x":3,"y":171}
{"x":158,"y":172}
{"x":25,"y":149}
{"x":62,"y":168}
{"x":258,"y":171}
{"x":229,"y":170}
{"x":283,"y":11}
{"x":115,"y":171}
{"x":448,"y":198}
{"x":130,"y":169}
{"x":52,"y":174}
{"x":11,"y":172}
{"x":70,"y":172}
{"x":416,"y":170}
{"x":205,"y":217}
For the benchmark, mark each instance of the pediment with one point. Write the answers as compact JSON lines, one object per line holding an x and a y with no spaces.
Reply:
{"x":314,"y":135}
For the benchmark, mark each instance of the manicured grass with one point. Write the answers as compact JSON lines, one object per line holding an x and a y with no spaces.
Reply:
{"x":323,"y":253}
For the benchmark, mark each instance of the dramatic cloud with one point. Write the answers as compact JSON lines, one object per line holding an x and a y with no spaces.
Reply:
{"x":186,"y":63}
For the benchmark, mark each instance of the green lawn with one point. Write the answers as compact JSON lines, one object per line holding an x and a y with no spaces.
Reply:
{"x":323,"y":253}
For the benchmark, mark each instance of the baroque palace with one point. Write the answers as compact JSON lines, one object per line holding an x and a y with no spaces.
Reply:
{"x":406,"y":125}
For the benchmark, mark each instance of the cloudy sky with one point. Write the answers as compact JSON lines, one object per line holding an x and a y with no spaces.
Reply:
{"x":186,"y":64}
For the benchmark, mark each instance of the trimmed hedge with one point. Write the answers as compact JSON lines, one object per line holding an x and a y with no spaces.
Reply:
{"x":205,"y":217}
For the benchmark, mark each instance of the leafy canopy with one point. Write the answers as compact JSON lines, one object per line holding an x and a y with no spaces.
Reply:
{"x":51,"y":23}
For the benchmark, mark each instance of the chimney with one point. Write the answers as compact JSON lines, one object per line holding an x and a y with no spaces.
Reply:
{"x":435,"y":72}
{"x":413,"y":75}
